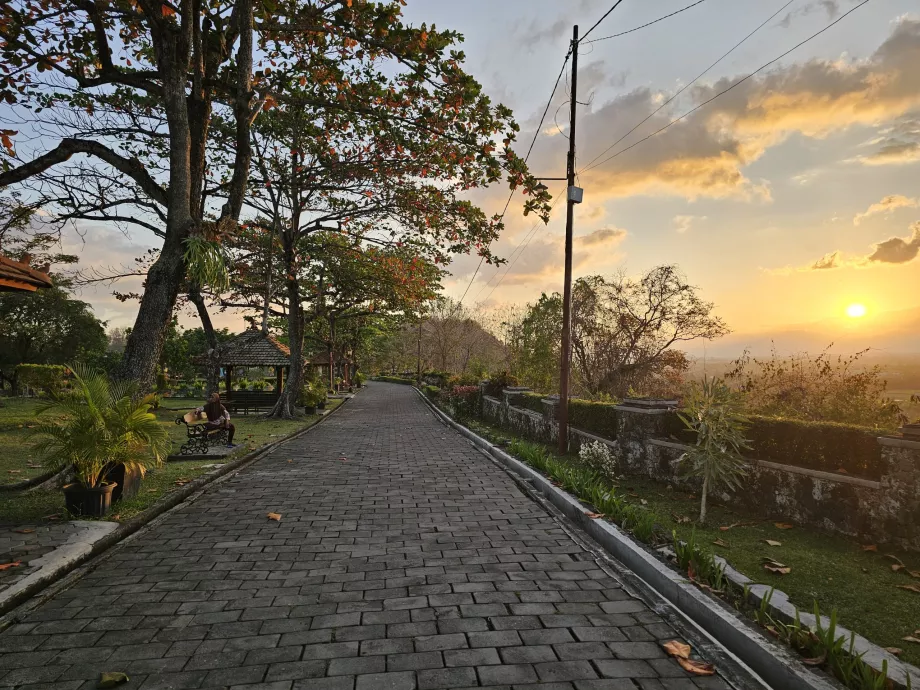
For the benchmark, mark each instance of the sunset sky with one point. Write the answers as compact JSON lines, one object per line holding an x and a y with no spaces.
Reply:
{"x":786,"y":200}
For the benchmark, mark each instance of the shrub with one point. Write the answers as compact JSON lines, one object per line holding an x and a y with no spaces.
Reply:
{"x":463,"y":400}
{"x":47,"y":378}
{"x":462,"y":380}
{"x":436,"y":378}
{"x":596,"y":456}
{"x":498,"y":382}
{"x":395,"y":379}
{"x":817,"y":445}
{"x":816,"y":388}
{"x":359,"y":379}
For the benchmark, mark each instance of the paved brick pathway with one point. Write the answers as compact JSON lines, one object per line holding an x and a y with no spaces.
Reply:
{"x":404,"y":559}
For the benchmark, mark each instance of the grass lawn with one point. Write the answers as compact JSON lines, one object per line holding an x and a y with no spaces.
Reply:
{"x":252,"y":433}
{"x":832,"y":570}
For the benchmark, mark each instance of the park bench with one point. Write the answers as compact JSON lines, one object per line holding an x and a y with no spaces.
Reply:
{"x":244,"y":401}
{"x":200,"y":437}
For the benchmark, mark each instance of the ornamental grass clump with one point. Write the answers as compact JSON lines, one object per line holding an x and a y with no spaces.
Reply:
{"x":99,"y":425}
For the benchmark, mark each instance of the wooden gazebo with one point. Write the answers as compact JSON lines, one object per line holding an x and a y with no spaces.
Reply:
{"x":253,"y":348}
{"x":19,"y":276}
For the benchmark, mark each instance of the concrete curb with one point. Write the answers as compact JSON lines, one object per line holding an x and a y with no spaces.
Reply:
{"x":775,"y":664}
{"x":14,"y":597}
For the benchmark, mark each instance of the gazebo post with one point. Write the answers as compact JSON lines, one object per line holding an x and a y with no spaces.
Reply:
{"x":228,"y":375}
{"x":279,"y":379}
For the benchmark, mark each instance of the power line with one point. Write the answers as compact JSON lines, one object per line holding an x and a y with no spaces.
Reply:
{"x":654,"y":21}
{"x":737,"y":83}
{"x":687,"y":86}
{"x":533,"y":141}
{"x":522,"y":246}
{"x":606,"y":14}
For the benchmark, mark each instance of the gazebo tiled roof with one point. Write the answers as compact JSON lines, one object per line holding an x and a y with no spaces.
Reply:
{"x":255,"y":349}
{"x":19,"y":276}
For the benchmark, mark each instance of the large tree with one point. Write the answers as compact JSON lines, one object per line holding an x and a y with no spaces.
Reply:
{"x":389,"y":166}
{"x":140,"y":113}
{"x":625,"y":333}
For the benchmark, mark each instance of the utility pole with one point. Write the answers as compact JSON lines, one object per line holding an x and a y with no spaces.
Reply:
{"x":573,"y":196}
{"x":418,"y":362}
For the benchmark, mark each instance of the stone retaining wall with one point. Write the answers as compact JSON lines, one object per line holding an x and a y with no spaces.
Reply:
{"x":886,"y":511}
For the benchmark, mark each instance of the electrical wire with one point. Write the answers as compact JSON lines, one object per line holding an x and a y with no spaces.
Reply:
{"x":687,"y":86}
{"x":533,"y":141}
{"x":655,"y":21}
{"x":606,"y":14}
{"x":724,"y":91}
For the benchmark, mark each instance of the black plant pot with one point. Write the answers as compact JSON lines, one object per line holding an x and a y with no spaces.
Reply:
{"x":88,"y":502}
{"x":321,"y":405}
{"x":309,"y":409}
{"x":127,"y":481}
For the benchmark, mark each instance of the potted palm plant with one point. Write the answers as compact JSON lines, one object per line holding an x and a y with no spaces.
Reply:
{"x":99,"y":426}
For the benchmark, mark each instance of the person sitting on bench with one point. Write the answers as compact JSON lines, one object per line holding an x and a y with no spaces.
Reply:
{"x":218,"y":417}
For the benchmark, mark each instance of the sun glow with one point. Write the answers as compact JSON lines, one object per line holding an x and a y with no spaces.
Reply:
{"x":856,"y":311}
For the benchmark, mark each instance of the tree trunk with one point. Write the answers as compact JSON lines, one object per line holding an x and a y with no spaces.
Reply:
{"x":285,"y":407}
{"x":703,"y":499}
{"x":145,"y":342}
{"x":212,"y":376}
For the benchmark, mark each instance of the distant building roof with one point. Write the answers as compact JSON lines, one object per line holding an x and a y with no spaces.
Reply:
{"x":19,"y":276}
{"x":254,"y":348}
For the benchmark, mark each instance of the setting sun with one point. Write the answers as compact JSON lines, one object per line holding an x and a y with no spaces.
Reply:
{"x":855,"y":311}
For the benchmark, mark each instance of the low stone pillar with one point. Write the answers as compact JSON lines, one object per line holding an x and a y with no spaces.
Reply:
{"x":898,"y":510}
{"x":639,"y":420}
{"x":550,"y":418}
{"x":512,"y":393}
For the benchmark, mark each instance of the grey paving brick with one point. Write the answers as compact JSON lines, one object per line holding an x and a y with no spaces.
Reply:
{"x":404,"y":680}
{"x":565,"y":670}
{"x":436,"y":679}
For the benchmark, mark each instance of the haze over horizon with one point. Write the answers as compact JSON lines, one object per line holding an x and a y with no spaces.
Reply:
{"x":787,"y":200}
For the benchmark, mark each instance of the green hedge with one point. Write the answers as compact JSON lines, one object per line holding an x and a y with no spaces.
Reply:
{"x":821,"y":446}
{"x":598,"y":418}
{"x":394,"y":379}
{"x":48,"y":378}
{"x":530,"y":401}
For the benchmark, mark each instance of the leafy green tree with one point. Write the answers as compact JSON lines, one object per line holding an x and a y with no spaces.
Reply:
{"x":46,"y":327}
{"x":712,"y":410}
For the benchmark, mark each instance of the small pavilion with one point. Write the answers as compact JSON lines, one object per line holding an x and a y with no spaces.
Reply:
{"x":19,"y":276}
{"x":253,"y":348}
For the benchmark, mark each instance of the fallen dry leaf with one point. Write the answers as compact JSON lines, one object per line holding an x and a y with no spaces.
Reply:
{"x":290,"y":461}
{"x":897,"y":651}
{"x":23,"y":531}
{"x":594,"y":516}
{"x":56,"y":516}
{"x":15,"y":471}
{"x":343,"y":458}
{"x":697,"y":668}
{"x":771,"y":542}
{"x":7,"y":566}
{"x":111,"y":680}
{"x":815,"y":661}
{"x":892,"y":557}
{"x":719,"y":542}
{"x":677,"y":648}
{"x":914,"y":573}
{"x":911,"y":588}
{"x":911,"y":638}
{"x":869,"y":547}
{"x":274,"y":516}
{"x":895,"y":567}
{"x":776,"y":567}
{"x":783,"y":525}
{"x":680,"y":519}
{"x":643,"y":501}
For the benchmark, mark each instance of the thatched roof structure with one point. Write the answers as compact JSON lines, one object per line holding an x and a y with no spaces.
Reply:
{"x":253,"y":348}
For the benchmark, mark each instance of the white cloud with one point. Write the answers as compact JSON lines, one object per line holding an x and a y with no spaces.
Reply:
{"x":886,"y":206}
